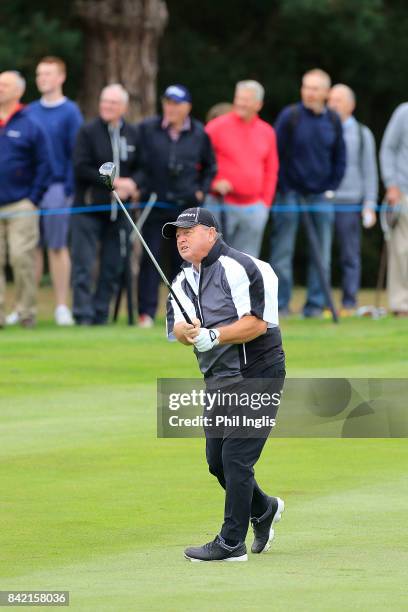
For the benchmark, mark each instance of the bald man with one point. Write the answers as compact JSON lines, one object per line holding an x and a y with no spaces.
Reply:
{"x":394,"y":170}
{"x":107,"y":138}
{"x":312,"y":164}
{"x":24,"y":177}
{"x":358,"y":190}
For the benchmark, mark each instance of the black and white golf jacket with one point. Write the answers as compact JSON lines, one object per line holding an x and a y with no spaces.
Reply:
{"x":229,"y":286}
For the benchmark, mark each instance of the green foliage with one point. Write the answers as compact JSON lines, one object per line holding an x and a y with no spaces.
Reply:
{"x":30,"y":32}
{"x":361,"y":43}
{"x":209,"y":48}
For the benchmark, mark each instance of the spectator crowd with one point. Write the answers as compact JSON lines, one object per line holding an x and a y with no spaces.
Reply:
{"x":316,"y":166}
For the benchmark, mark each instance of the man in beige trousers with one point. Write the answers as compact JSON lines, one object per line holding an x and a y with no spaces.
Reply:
{"x":394,"y":170}
{"x":24,"y":176}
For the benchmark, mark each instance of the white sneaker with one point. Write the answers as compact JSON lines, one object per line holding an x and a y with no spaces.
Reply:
{"x":63,"y":315}
{"x":145,"y":321}
{"x":13,"y":318}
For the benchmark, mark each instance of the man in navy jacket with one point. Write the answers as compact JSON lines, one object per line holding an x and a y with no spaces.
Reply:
{"x":24,"y":176}
{"x":312,"y":160}
{"x":177,"y":162}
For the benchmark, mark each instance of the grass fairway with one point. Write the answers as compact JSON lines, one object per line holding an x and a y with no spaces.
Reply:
{"x":92,"y":502}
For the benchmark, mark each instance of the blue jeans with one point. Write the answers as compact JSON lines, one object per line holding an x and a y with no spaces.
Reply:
{"x":283,"y":240}
{"x":348,"y":236}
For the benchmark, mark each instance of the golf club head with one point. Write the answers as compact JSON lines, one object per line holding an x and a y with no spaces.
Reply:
{"x":107,"y":174}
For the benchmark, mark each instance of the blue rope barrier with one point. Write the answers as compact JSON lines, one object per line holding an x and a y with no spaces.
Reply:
{"x":93,"y":208}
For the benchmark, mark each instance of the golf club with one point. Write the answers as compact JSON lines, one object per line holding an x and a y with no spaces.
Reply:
{"x":107,"y":175}
{"x":146,"y":211}
{"x":389,"y":216}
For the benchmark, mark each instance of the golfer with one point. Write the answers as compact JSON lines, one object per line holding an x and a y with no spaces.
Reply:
{"x":231,"y":298}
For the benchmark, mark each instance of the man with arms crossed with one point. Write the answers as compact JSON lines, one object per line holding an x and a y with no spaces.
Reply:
{"x":231,"y":298}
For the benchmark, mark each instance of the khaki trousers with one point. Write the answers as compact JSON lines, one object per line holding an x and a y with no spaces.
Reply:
{"x":19,"y":233}
{"x":397,"y":271}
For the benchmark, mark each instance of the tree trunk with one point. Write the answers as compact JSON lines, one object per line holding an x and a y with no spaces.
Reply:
{"x":121,"y":46}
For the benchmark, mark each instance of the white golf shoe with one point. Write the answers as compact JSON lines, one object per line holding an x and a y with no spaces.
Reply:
{"x":63,"y":316}
{"x":13,"y":318}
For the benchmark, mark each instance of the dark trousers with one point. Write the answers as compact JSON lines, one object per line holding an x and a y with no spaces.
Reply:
{"x":87,"y":231}
{"x":231,"y":460}
{"x":348,"y":237}
{"x":149,"y":279}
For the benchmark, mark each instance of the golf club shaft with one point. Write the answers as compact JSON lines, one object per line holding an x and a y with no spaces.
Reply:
{"x":152,"y":257}
{"x":146,"y":211}
{"x":381,"y":275}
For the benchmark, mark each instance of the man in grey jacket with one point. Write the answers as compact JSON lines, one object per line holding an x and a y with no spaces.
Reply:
{"x":394,"y":171}
{"x":356,"y":196}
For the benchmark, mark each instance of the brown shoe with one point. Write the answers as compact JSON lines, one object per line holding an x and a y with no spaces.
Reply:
{"x":347,"y":312}
{"x":400,"y":313}
{"x":28,"y":323}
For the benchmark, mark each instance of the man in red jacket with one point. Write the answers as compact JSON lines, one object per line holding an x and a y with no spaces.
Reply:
{"x":247,"y":160}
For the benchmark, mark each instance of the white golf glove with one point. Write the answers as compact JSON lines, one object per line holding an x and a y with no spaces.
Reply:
{"x":369,"y":217}
{"x":206,"y":339}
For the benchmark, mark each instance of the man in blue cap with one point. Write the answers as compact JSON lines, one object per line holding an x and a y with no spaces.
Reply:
{"x":176,"y":161}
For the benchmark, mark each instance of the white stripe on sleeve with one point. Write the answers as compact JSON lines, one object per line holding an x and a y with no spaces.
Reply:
{"x":271,"y":291}
{"x":183,"y":298}
{"x":239,"y":284}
